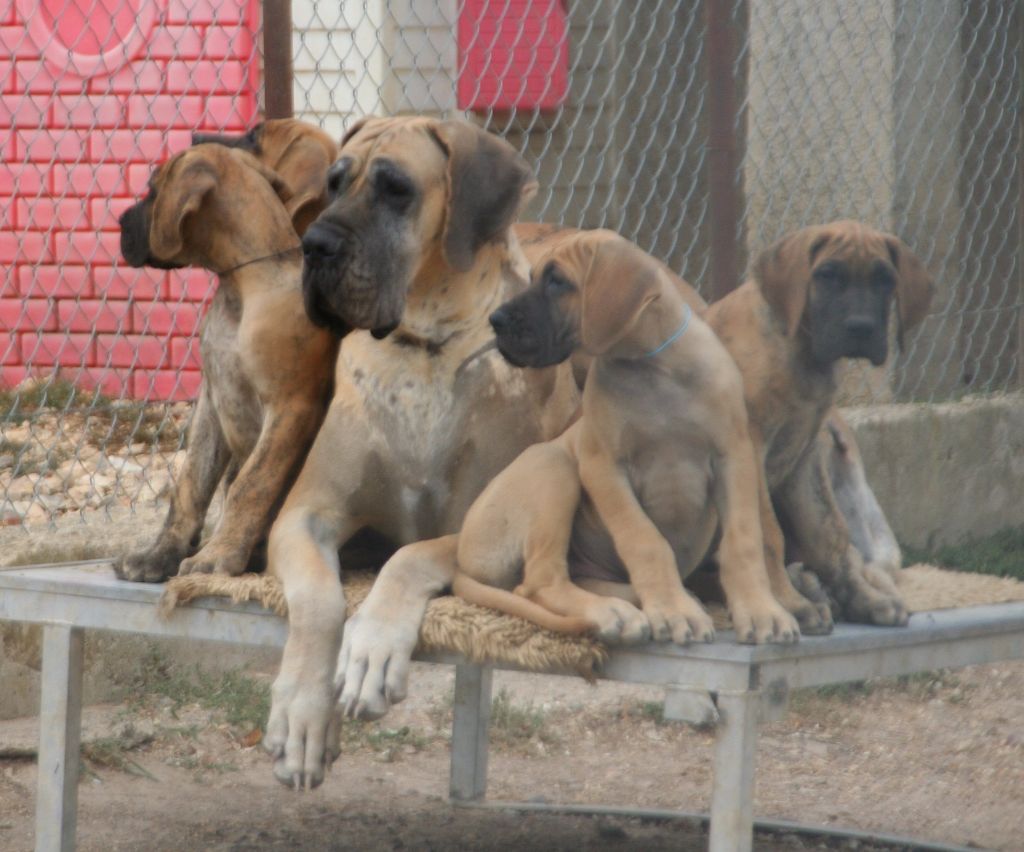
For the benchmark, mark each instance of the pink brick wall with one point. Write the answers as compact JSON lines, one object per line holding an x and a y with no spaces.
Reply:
{"x":97,"y":92}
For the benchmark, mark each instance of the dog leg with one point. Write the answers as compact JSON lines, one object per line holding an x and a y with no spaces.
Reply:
{"x":260,"y":483}
{"x":672,"y":612}
{"x":519,"y":530}
{"x":614,"y":620}
{"x":205,"y":461}
{"x":757,"y":616}
{"x":864,"y":593}
{"x":814,"y":617}
{"x":301,"y":729}
{"x":869,"y":529}
{"x":377,"y":648}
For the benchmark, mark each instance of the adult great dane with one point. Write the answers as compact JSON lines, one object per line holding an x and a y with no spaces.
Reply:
{"x":414,"y":246}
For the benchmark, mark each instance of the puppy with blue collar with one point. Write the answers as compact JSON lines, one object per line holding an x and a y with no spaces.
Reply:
{"x":596,"y":530}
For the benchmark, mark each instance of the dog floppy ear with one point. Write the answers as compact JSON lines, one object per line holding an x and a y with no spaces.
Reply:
{"x":355,"y":128}
{"x":488,"y":181}
{"x":783,"y":272}
{"x":620,"y":282}
{"x":176,"y":201}
{"x":914,"y":288}
{"x":303,"y":167}
{"x":277,"y":183}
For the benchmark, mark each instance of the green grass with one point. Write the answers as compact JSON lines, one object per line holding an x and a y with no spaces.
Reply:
{"x":113,"y":752}
{"x":16,"y":404}
{"x":513,"y":723}
{"x":388,"y":743}
{"x":110,"y":423}
{"x":1001,"y":554}
{"x":243,"y":701}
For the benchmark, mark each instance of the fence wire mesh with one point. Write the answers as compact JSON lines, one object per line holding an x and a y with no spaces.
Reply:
{"x":903,"y":113}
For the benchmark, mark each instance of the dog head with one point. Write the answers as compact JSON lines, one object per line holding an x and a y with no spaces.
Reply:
{"x":191,"y":198}
{"x":586,"y":294}
{"x":835,"y":283}
{"x":407,"y":195}
{"x":299,"y":153}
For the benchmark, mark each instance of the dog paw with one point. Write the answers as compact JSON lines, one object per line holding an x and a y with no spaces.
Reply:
{"x":213,"y":560}
{"x":683,"y":622}
{"x":871,"y":606}
{"x":759,"y":622}
{"x":303,"y":733}
{"x":619,"y":622}
{"x":810,"y":603}
{"x":373,"y":666}
{"x":150,"y":566}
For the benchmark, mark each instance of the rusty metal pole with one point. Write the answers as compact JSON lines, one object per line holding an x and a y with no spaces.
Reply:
{"x":1020,"y":199}
{"x":721,"y":48}
{"x":277,"y":59}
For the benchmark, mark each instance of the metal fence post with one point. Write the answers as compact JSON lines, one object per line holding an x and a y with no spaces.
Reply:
{"x":60,"y":724}
{"x":725,"y":203}
{"x":471,"y":717}
{"x":277,"y":58}
{"x":1020,"y":207}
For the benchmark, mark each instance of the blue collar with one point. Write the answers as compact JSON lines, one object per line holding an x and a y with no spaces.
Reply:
{"x":675,"y":335}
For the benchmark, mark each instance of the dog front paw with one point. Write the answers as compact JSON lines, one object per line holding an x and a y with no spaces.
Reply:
{"x":619,"y":622}
{"x":215,"y":560}
{"x":868,"y":605}
{"x":870,"y":596}
{"x":150,"y":566}
{"x":303,"y":733}
{"x":683,"y":621}
{"x":807,"y":601}
{"x":758,"y":622}
{"x":373,"y":666}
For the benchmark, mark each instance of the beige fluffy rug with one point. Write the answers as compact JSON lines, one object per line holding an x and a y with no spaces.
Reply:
{"x":486,"y":636}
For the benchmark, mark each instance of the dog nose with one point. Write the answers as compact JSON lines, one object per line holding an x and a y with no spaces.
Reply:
{"x":321,"y":242}
{"x":859,"y":326}
{"x":500,"y":320}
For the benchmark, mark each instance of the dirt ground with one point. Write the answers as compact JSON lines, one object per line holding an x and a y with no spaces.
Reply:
{"x":938,"y":757}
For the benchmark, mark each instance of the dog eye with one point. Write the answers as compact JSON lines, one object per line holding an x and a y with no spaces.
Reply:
{"x":558,"y":285}
{"x":883,"y":280}
{"x":828,"y":275}
{"x":394,"y":187}
{"x":338,"y":176}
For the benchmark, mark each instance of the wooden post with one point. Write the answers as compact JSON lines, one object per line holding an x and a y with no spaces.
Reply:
{"x":725,"y":202}
{"x":277,"y":59}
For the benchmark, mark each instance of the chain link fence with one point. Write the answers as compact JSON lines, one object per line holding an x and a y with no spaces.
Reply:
{"x":904,"y":113}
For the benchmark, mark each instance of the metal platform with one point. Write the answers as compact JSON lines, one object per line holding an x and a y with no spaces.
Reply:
{"x":748,"y":682}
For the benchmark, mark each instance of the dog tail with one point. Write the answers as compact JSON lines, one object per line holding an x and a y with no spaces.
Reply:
{"x":510,"y":603}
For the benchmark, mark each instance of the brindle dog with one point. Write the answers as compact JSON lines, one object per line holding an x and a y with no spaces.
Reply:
{"x":266,"y":367}
{"x":298,"y":152}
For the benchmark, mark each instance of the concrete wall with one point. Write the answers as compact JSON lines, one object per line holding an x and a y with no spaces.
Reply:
{"x":945,"y":472}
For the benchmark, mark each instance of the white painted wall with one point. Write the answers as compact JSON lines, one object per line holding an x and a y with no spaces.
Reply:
{"x":367,"y":57}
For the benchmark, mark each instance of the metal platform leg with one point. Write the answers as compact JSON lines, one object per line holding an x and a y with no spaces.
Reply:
{"x":60,"y":727}
{"x":471,"y":717}
{"x":732,"y":796}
